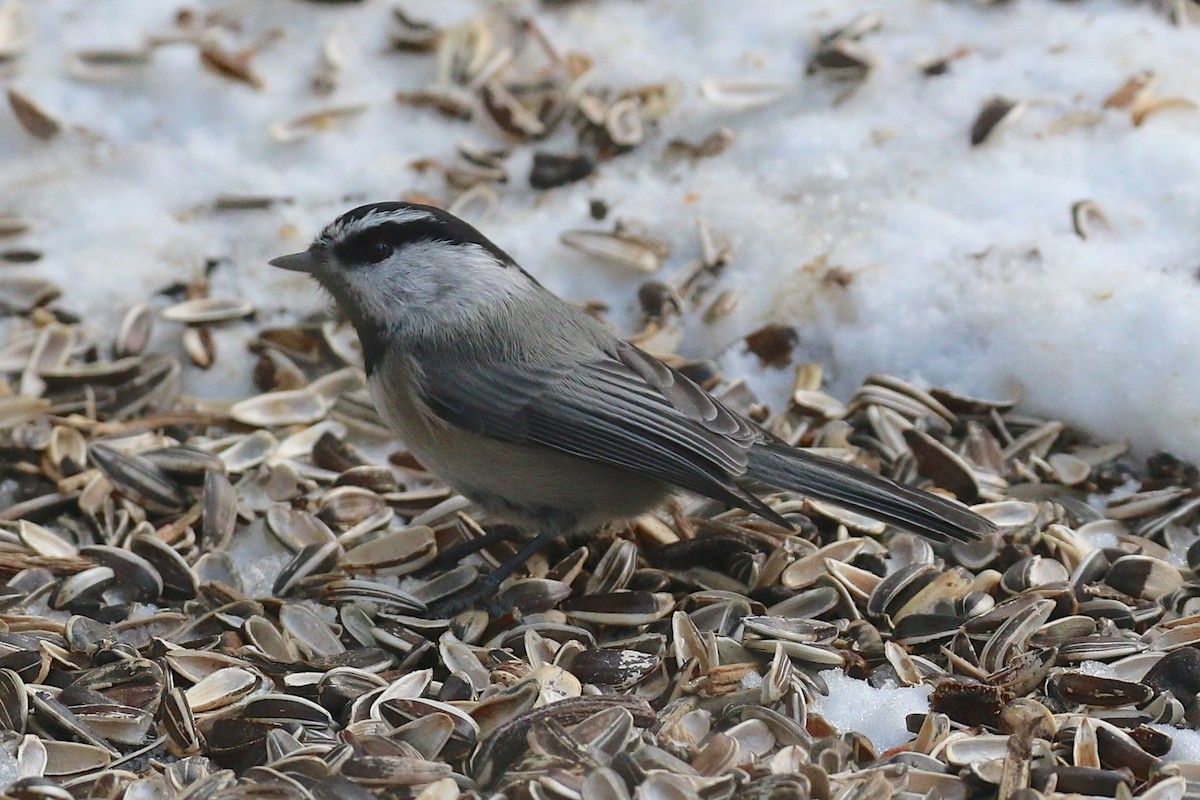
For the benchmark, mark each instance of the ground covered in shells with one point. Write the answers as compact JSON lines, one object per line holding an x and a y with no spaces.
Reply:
{"x":237,"y":599}
{"x":678,"y":656}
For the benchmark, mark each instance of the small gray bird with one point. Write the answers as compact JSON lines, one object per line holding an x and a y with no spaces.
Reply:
{"x":531,"y":409}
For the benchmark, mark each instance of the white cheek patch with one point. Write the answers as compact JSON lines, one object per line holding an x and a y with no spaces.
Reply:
{"x":429,"y":285}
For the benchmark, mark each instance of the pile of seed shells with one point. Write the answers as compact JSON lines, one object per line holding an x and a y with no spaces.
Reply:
{"x":676,"y":656}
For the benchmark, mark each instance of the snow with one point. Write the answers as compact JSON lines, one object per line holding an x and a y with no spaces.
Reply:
{"x":10,"y":770}
{"x":1185,"y":743}
{"x":1097,"y":668}
{"x":877,"y":712}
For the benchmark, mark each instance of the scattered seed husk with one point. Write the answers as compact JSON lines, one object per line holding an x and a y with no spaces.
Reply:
{"x":712,"y":145}
{"x":305,"y":126}
{"x":841,"y":59}
{"x":996,"y":114}
{"x":640,"y":253}
{"x":476,"y":203}
{"x":199,"y":345}
{"x":413,"y":35}
{"x":139,"y":478}
{"x":275,"y":409}
{"x":1086,"y":217}
{"x":773,"y":344}
{"x":16,"y":411}
{"x":1146,"y":106}
{"x":20,"y":295}
{"x":18,"y":255}
{"x":550,"y":169}
{"x":12,"y":225}
{"x":246,"y":202}
{"x":233,"y":66}
{"x":134,"y":332}
{"x":623,"y":122}
{"x":208,"y":310}
{"x":1130,"y":90}
{"x":448,"y":103}
{"x":16,"y":29}
{"x":396,"y":552}
{"x":742,"y":94}
{"x":101,"y":64}
{"x":35,"y":120}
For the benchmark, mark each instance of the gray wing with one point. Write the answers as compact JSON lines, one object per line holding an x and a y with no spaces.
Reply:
{"x":624,"y":408}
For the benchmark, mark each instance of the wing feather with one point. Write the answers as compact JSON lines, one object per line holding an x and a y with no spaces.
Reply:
{"x":622,"y":408}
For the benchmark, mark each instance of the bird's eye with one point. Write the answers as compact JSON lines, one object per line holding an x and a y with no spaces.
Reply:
{"x":376,"y":251}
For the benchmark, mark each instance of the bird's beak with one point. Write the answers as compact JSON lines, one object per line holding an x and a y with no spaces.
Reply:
{"x":297,"y":262}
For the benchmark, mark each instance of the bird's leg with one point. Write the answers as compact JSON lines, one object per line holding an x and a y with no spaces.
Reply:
{"x":531,"y":549}
{"x":450,"y":557}
{"x":489,"y":586}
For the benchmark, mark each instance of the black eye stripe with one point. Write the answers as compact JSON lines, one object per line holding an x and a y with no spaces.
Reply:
{"x":365,"y":248}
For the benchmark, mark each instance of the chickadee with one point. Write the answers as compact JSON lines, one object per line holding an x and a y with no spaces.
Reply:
{"x":531,"y":409}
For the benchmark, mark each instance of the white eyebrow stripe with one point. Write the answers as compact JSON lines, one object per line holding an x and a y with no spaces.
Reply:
{"x":342,"y":230}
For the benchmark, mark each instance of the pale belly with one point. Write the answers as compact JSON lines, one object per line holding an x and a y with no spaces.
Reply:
{"x":528,"y":484}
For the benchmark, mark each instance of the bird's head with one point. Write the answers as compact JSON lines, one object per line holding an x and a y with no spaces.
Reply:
{"x":407,"y":269}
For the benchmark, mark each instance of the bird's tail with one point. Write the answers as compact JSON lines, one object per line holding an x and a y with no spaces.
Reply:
{"x":788,"y":468}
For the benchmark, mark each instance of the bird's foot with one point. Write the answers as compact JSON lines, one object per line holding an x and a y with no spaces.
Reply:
{"x":486,"y":592}
{"x":483,"y":595}
{"x":450,"y":557}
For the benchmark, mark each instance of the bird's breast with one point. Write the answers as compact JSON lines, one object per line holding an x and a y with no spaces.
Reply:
{"x":526,"y":482}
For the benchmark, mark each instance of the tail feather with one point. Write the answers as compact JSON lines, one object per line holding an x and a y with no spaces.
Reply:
{"x":820,"y":478}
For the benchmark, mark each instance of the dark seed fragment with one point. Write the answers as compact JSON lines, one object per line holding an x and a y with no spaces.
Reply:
{"x":996,"y":113}
{"x":550,"y":170}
